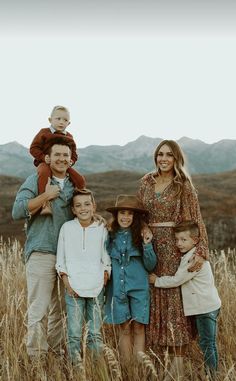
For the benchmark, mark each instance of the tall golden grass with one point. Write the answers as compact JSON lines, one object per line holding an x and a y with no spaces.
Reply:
{"x":16,"y":366}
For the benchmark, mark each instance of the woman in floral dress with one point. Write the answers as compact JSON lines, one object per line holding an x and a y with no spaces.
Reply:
{"x":170,"y":198}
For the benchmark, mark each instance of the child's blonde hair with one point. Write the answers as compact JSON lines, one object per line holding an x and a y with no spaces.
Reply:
{"x":62,"y":108}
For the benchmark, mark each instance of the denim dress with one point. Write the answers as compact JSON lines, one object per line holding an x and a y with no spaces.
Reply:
{"x":128,"y":290}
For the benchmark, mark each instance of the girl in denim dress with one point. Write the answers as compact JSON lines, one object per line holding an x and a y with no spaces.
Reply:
{"x":132,"y":257}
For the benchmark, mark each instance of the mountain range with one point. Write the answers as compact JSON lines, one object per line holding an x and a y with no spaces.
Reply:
{"x":134,"y":156}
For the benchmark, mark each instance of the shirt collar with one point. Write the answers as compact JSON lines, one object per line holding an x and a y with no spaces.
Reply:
{"x":66,"y":178}
{"x":192,"y":251}
{"x":53,"y":130}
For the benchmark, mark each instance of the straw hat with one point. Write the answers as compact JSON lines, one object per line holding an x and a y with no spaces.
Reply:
{"x":128,"y":202}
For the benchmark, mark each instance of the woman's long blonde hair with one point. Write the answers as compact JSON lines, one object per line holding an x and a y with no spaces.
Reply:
{"x":180,"y":172}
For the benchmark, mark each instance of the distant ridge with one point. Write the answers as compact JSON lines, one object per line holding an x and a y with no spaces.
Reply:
{"x":134,"y":156}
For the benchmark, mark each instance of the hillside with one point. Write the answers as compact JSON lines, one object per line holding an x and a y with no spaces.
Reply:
{"x":135,"y":156}
{"x":217,"y":196}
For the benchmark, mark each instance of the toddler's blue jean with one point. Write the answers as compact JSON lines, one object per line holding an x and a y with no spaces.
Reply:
{"x":207,"y":328}
{"x":79,"y":311}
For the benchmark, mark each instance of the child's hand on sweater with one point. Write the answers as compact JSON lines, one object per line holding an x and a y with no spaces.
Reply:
{"x":196,"y":263}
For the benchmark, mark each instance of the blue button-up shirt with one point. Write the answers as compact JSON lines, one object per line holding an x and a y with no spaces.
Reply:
{"x":42,"y":231}
{"x":130,"y":267}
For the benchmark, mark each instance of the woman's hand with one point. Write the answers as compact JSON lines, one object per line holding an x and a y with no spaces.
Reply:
{"x":196,"y":263}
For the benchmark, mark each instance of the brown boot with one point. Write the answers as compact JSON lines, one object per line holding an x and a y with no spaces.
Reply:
{"x":46,"y":209}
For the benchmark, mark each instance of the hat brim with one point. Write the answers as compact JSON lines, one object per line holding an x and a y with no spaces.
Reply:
{"x":117,"y":208}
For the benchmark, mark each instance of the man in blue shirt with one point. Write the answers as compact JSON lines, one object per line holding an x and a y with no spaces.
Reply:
{"x":40,"y":248}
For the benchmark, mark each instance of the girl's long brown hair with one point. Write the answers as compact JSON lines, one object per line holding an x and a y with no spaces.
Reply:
{"x":180,"y":172}
{"x":135,"y":228}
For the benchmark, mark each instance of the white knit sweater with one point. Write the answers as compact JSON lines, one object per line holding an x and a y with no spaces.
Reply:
{"x":81,"y":254}
{"x":198,"y":288}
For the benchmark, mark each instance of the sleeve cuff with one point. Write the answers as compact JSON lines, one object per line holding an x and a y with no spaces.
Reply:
{"x":147,"y":246}
{"x":26,"y":209}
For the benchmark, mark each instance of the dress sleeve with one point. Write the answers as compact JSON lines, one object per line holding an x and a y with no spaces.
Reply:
{"x":27,"y":191}
{"x":191,"y":211}
{"x":149,"y":257}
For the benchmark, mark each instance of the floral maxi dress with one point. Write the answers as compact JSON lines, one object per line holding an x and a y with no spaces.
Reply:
{"x":168,"y":326}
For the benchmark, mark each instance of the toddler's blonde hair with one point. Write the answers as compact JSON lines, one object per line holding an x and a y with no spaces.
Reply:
{"x":62,"y":108}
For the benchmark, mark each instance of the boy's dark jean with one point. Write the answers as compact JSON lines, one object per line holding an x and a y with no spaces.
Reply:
{"x":207,"y":328}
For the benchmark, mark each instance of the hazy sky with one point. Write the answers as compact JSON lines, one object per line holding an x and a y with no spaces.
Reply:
{"x":123,"y":68}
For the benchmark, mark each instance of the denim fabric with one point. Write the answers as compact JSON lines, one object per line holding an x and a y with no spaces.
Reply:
{"x":128,"y":291}
{"x":207,"y":328}
{"x":42,"y":231}
{"x":79,"y":311}
{"x":133,"y":305}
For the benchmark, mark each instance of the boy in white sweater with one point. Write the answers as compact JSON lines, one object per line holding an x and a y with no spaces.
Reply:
{"x":84,"y":266}
{"x":200,"y":296}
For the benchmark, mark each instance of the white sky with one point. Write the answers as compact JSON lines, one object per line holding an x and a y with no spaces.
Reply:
{"x":123,"y":68}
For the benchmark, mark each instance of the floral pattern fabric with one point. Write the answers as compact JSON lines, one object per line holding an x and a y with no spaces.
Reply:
{"x":168,"y":326}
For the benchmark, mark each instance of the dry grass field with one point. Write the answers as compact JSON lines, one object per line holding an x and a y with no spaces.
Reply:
{"x":16,"y":366}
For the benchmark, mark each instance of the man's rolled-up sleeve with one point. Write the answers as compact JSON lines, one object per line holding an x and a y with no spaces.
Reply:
{"x":27,"y":191}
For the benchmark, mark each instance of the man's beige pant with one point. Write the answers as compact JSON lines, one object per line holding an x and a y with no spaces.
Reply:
{"x":45,"y":305}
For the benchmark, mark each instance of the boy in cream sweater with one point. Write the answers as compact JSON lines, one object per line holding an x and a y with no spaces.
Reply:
{"x":200,"y":296}
{"x":84,"y":266}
